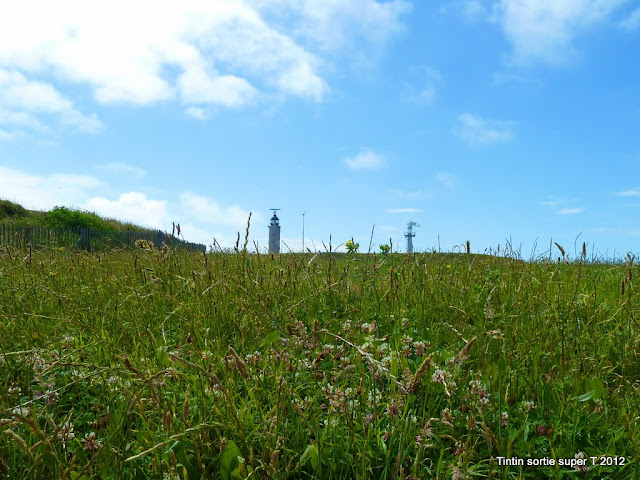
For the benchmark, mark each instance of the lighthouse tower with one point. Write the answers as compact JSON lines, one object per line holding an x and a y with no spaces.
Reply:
{"x":274,"y":232}
{"x":409,"y":234}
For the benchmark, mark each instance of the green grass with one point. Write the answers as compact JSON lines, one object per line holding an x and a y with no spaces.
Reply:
{"x":302,"y":366}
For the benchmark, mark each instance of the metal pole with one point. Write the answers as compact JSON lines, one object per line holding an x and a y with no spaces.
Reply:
{"x":303,"y":213}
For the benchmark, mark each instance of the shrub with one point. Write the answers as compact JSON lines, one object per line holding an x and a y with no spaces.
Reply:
{"x":62,"y":217}
{"x":11,"y":210}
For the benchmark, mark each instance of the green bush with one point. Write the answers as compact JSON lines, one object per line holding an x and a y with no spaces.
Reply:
{"x":62,"y":217}
{"x":11,"y":210}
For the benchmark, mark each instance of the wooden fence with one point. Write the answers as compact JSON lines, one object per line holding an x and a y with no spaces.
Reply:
{"x":86,"y":238}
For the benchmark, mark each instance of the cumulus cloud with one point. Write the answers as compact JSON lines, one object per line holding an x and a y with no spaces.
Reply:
{"x":477,"y":131}
{"x":42,"y":192}
{"x":207,"y":210}
{"x":27,"y":104}
{"x":124,"y":57}
{"x":134,"y":207}
{"x":202,"y":53}
{"x":365,"y":160}
{"x":544,"y":30}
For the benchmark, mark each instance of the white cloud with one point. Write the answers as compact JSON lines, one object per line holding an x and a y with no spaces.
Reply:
{"x":403,"y":210}
{"x":629,"y":193}
{"x":559,"y":205}
{"x":477,"y":131}
{"x":133,"y":207}
{"x":43,"y":192}
{"x":197,"y":113}
{"x":570,"y":211}
{"x":334,"y":25}
{"x":124,"y":57}
{"x":230,"y":91}
{"x":632,"y":22}
{"x":207,"y":210}
{"x":365,"y":160}
{"x":25,"y":103}
{"x":116,"y":168}
{"x":544,"y":30}
{"x":422,"y":88}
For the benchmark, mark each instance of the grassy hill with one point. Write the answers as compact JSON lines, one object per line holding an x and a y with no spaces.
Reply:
{"x":66,"y":227}
{"x":60,"y":217}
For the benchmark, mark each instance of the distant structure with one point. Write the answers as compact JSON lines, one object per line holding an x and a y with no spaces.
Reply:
{"x":409,"y":234}
{"x":274,"y":232}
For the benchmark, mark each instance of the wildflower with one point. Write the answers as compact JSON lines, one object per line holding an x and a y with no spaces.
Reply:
{"x":367,"y":419}
{"x":68,"y":342}
{"x":50,"y":397}
{"x":90,"y":442}
{"x":504,"y":419}
{"x":369,"y":327}
{"x":393,"y":410}
{"x":542,"y":431}
{"x":447,"y":418}
{"x":14,"y":391}
{"x":65,"y":433}
{"x":598,"y":408}
{"x":528,"y":405}
{"x":21,"y":412}
{"x":581,"y":466}
{"x":471,"y":423}
{"x":253,"y":358}
{"x":439,"y":376}
{"x":457,"y":474}
{"x":420,"y":348}
{"x":495,"y":334}
{"x":422,"y":442}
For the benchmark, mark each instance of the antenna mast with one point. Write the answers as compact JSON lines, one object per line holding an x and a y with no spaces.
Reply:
{"x":409,"y":234}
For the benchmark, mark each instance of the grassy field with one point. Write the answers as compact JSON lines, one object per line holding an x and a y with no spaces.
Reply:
{"x":167,"y":364}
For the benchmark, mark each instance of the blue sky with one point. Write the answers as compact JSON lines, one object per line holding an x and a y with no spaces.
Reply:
{"x":487,"y":121}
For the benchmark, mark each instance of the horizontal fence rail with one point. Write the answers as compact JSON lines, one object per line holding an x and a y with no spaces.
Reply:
{"x":87,"y":238}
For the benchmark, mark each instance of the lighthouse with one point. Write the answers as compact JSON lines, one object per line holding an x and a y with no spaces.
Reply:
{"x":274,"y":232}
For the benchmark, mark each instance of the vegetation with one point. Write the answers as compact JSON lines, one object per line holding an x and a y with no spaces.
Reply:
{"x":166,"y":364}
{"x":61,"y":217}
{"x":10,"y":210}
